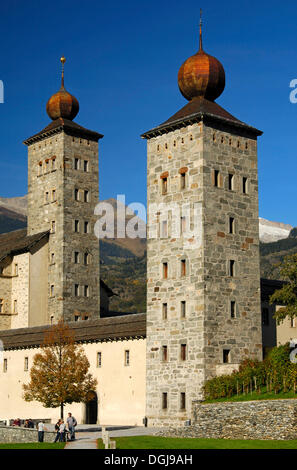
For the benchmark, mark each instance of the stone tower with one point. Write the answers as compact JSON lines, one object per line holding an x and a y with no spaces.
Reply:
{"x":62,"y":194}
{"x":203,"y":274}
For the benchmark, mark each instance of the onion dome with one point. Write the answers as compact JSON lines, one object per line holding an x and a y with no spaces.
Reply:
{"x":201,"y":75}
{"x":62,"y":104}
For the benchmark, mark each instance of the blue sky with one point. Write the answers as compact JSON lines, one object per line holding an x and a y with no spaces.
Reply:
{"x":122,"y":64}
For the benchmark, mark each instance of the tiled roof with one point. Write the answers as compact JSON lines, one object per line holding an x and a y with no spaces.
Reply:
{"x":69,"y":127}
{"x":102,"y":329}
{"x":196,"y":110}
{"x":18,"y":241}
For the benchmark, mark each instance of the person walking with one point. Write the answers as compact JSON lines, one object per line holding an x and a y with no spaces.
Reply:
{"x":62,"y":431}
{"x":71,"y":422}
{"x":40,"y":428}
{"x":57,"y":429}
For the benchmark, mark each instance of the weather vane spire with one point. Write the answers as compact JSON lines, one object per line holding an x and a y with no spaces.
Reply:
{"x":62,"y":60}
{"x":200,"y":31}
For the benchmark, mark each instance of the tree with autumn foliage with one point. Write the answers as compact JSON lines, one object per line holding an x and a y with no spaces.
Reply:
{"x":287,"y":295}
{"x":59,"y":373}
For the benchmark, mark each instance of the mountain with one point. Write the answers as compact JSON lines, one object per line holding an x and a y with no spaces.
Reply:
{"x":273,"y":231}
{"x":16,"y":204}
{"x":123,"y":260}
{"x":273,"y":253}
{"x":10,"y":220}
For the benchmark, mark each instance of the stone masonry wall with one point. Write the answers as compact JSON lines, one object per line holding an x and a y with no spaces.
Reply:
{"x":20,"y":291}
{"x":53,"y":179}
{"x":240,"y":333}
{"x":207,"y":286}
{"x":168,"y":154}
{"x":14,"y":434}
{"x":270,"y":419}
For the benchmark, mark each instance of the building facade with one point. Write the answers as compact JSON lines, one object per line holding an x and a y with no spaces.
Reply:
{"x":203,"y":298}
{"x":63,"y":187}
{"x":203,"y":270}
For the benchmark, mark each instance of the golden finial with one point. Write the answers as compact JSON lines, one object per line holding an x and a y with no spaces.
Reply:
{"x":62,"y":60}
{"x":200,"y":31}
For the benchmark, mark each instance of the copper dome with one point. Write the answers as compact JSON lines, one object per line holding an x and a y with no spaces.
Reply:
{"x":201,"y":75}
{"x":62,"y":104}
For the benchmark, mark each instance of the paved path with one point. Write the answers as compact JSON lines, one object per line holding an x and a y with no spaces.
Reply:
{"x":83,"y":441}
{"x":88,"y":440}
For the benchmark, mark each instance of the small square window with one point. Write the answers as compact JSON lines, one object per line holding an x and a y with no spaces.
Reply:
{"x":76,"y":163}
{"x":164,"y":401}
{"x":183,"y":267}
{"x":232,"y":268}
{"x":226,"y":356}
{"x":183,"y":224}
{"x":183,"y":352}
{"x":99,"y":359}
{"x":164,"y":353}
{"x":164,"y":311}
{"x":127,"y":358}
{"x":182,"y":180}
{"x":164,"y":186}
{"x":182,"y":401}
{"x":183,"y":309}
{"x":231,"y":225}
{"x":165,"y":270}
{"x":216,"y":179}
{"x":233,"y":308}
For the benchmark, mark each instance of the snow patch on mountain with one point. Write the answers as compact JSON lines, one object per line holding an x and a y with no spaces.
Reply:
{"x":273,"y":231}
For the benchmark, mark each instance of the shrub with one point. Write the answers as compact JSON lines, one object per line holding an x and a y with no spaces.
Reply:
{"x":276,"y":372}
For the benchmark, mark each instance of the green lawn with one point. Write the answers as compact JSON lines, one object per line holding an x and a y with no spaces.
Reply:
{"x":155,"y":442}
{"x":255,"y":396}
{"x":34,"y":445}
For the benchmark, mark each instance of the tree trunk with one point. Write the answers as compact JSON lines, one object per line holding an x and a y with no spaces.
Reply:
{"x":62,"y":410}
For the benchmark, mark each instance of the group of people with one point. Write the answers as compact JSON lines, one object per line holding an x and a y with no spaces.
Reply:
{"x":65,"y":431}
{"x":62,"y":431}
{"x":28,"y":423}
